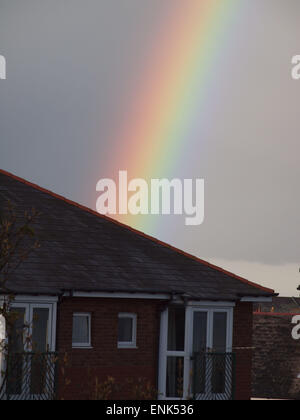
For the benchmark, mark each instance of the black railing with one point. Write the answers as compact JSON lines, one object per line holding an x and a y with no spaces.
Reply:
{"x":213,"y":376}
{"x":30,"y":376}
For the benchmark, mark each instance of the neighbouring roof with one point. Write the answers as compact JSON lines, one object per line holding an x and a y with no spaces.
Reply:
{"x":84,"y":251}
{"x":279,"y":305}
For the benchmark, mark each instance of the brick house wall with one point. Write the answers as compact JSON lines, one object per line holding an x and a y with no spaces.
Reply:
{"x":83,"y":366}
{"x":276,"y":361}
{"x":242,"y":347}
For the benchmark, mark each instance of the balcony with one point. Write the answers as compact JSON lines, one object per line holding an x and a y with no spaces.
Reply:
{"x":213,"y":376}
{"x":30,"y":376}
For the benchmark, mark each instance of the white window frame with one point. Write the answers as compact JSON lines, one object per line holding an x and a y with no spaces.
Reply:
{"x":87,"y":345}
{"x":128,"y":344}
{"x":164,"y":353}
{"x":29,"y":303}
{"x":29,"y":306}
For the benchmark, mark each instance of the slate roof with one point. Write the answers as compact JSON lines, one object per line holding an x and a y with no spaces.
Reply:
{"x":84,"y":251}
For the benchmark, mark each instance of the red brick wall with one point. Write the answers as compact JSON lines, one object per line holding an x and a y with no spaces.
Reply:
{"x":83,"y":366}
{"x":242,"y":343}
{"x":276,"y":361}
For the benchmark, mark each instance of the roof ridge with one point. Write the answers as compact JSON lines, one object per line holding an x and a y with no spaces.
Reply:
{"x":140,"y":233}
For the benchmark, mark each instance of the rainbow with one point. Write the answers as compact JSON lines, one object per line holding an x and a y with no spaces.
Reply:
{"x":173,"y":90}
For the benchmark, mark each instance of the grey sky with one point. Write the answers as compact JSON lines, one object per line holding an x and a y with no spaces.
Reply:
{"x":71,"y":70}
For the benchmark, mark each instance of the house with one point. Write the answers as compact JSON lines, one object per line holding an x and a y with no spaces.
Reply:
{"x":120,"y":304}
{"x":276,"y":357}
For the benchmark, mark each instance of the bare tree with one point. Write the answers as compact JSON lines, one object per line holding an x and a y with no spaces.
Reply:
{"x":17,"y":242}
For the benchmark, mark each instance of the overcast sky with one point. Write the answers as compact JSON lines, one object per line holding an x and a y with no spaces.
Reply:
{"x":72,"y":71}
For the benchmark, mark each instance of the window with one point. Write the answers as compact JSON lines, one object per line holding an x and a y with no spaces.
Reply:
{"x":175,"y":351}
{"x":127,"y":330}
{"x":174,"y":380}
{"x":203,"y":333}
{"x":176,"y":328}
{"x":220,"y":332}
{"x":33,"y":332}
{"x":81,"y":336}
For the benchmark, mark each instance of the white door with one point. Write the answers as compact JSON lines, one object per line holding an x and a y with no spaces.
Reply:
{"x":212,"y":359}
{"x":194,"y":343}
{"x":31,"y":341}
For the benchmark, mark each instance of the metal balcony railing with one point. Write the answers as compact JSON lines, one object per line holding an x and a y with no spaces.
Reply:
{"x":30,"y":376}
{"x":213,"y":376}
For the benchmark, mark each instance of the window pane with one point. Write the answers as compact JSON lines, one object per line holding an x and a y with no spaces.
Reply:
{"x":219,"y":360}
{"x":200,"y":347}
{"x":125,"y":330}
{"x":200,"y":372}
{"x":220,"y":331}
{"x":16,"y":347}
{"x":39,"y":345}
{"x":40,"y":330}
{"x":18,"y":330}
{"x":81,"y":329}
{"x":218,"y":368}
{"x":174,"y":388}
{"x":176,"y":329}
{"x":200,"y":332}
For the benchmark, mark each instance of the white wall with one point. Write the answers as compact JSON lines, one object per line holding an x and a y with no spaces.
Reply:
{"x":2,"y":328}
{"x":2,"y":337}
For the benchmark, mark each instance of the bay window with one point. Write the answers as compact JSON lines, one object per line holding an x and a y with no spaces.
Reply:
{"x":192,"y":330}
